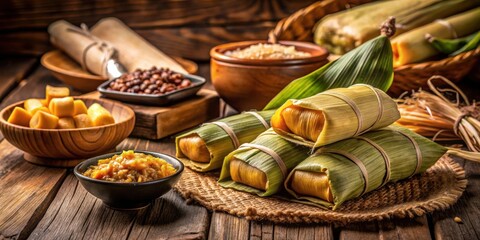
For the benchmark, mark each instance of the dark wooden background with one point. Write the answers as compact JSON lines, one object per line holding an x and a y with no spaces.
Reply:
{"x":185,"y":28}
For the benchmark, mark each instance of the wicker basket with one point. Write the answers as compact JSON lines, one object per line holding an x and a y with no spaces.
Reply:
{"x":299,"y":27}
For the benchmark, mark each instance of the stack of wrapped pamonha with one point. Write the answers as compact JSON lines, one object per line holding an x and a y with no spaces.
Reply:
{"x":354,"y":152}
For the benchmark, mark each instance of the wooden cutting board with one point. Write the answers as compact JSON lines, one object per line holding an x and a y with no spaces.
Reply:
{"x":157,"y":122}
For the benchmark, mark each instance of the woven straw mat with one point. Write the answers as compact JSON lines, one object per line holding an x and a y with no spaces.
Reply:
{"x":436,"y":189}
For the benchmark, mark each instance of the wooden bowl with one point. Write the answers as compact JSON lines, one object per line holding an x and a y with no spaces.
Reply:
{"x":68,"y":147}
{"x":68,"y":71}
{"x":251,"y":83}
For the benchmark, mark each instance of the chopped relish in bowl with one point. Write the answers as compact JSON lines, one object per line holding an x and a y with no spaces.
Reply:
{"x":130,"y":167}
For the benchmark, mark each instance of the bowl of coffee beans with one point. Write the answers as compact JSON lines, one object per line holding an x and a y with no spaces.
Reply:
{"x":154,"y":86}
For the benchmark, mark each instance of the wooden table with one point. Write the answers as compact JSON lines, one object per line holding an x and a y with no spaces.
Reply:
{"x":48,"y":203}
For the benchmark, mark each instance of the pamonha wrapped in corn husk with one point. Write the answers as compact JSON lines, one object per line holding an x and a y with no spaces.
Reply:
{"x":347,"y":169}
{"x":412,"y":46}
{"x":261,"y":166}
{"x":334,"y":115}
{"x":203,"y":149}
{"x":346,"y":30}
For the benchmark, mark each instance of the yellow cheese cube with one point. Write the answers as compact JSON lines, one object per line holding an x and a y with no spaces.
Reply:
{"x":56,"y":92}
{"x":43,"y":120}
{"x":80,"y":107}
{"x":44,"y":102}
{"x":62,"y":107}
{"x":82,"y":121}
{"x":32,"y":104}
{"x":66,"y":123}
{"x":19,"y":116}
{"x":43,"y":109}
{"x":99,"y":115}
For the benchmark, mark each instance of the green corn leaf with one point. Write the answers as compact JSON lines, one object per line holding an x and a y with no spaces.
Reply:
{"x":371,"y":63}
{"x":472,"y":44}
{"x":449,"y":46}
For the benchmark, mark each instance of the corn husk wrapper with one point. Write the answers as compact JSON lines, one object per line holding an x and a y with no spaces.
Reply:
{"x":371,"y":64}
{"x":346,"y":30}
{"x":290,"y":153}
{"x":345,"y":112}
{"x":345,"y":178}
{"x":412,"y":46}
{"x":219,"y":144}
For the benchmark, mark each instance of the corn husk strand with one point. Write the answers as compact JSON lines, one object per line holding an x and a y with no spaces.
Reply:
{"x":425,"y":123}
{"x":203,"y":149}
{"x":442,"y":116}
{"x":361,"y":164}
{"x":269,"y":159}
{"x":334,"y":115}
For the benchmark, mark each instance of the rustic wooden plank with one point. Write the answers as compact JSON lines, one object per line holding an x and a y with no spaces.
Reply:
{"x":10,"y":157}
{"x":405,"y":229}
{"x":225,"y":226}
{"x":21,"y":14}
{"x":169,"y":217}
{"x":261,"y":230}
{"x":467,"y":209}
{"x":188,"y":42}
{"x":364,"y":231}
{"x":12,"y":71}
{"x":196,"y":42}
{"x":388,"y":229}
{"x":27,"y":191}
{"x":291,"y":231}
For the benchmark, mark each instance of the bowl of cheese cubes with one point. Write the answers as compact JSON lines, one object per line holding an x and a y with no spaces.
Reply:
{"x":61,"y":130}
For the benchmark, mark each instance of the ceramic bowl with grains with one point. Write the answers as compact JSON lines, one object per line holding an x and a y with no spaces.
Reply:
{"x":249,"y":74}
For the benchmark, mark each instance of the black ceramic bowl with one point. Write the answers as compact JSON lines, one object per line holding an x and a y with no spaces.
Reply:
{"x":128,"y":195}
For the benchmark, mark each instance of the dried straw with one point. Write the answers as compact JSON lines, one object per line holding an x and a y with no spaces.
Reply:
{"x":434,"y":115}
